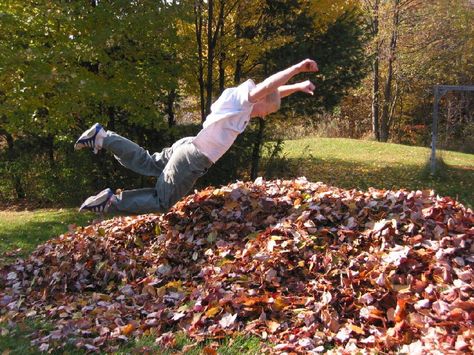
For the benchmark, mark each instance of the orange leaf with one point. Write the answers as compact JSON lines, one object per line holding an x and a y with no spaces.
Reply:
{"x":279,"y":304}
{"x":209,"y":351}
{"x":356,"y":329}
{"x":230,"y":205}
{"x":127,"y":329}
{"x":400,"y":313}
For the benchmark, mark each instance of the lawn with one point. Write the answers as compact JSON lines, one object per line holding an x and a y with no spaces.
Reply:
{"x":16,"y":342}
{"x":350,"y":163}
{"x":341,"y":162}
{"x":21,"y":232}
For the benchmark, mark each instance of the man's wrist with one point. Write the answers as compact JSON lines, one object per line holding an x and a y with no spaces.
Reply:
{"x":296,"y":69}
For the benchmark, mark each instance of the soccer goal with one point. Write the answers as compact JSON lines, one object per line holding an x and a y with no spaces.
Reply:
{"x":439,"y":92}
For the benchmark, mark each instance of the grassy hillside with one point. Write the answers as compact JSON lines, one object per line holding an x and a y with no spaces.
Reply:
{"x":360,"y":164}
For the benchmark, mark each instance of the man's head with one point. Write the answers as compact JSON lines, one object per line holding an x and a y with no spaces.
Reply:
{"x":269,"y":104}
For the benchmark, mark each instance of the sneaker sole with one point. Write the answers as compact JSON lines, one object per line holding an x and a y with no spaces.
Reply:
{"x":97,"y":200}
{"x":87,"y":137}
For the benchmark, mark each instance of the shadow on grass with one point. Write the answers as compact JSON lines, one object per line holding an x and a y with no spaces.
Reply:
{"x":454,"y":181}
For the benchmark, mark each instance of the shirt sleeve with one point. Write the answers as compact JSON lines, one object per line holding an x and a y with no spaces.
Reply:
{"x":242,"y":93}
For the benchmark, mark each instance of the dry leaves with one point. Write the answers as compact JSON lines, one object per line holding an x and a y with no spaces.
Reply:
{"x":307,"y":266}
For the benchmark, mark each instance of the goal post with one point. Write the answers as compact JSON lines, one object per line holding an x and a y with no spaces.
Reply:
{"x":439,"y":92}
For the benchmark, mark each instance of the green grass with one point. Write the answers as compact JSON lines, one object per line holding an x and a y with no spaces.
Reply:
{"x":340,"y":162}
{"x":360,"y":164}
{"x":26,"y":229}
{"x":17,"y":342}
{"x":228,"y":346}
{"x":14,"y":340}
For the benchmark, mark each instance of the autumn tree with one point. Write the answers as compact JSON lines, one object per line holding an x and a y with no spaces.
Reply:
{"x":385,"y":20}
{"x":415,"y":45}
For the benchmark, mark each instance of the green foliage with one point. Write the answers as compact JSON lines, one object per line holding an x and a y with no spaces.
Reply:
{"x":339,"y":51}
{"x":72,"y":62}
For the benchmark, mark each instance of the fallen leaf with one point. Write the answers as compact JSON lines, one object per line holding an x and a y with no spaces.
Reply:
{"x":211,"y":312}
{"x":227,"y":320}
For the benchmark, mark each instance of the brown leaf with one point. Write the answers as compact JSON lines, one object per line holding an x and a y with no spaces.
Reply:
{"x":209,"y":351}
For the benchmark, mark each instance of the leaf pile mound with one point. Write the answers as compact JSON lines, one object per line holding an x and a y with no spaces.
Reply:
{"x":306,"y":266}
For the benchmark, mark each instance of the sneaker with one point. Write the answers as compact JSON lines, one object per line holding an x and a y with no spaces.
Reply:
{"x":99,"y":202}
{"x":90,"y":138}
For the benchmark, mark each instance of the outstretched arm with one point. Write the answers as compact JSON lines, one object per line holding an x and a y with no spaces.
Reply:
{"x":279,"y":79}
{"x":304,"y":86}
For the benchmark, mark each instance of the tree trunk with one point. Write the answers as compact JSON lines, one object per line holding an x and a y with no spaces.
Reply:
{"x":375,"y":98}
{"x":198,"y":11}
{"x":259,"y":140}
{"x":170,"y":108}
{"x":237,"y":72}
{"x":222,"y":57}
{"x":210,"y":55}
{"x":238,"y":61}
{"x":212,"y":37}
{"x":384,"y":124}
{"x":11,"y":157}
{"x":375,"y":74}
{"x":50,"y":148}
{"x":221,"y":72}
{"x":256,"y":149}
{"x":111,"y":115}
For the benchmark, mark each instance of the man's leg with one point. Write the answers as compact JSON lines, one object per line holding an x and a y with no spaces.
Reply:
{"x":184,"y":167}
{"x":134,"y":157}
{"x":127,"y":153}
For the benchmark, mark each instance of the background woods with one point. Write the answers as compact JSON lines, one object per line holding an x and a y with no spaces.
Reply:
{"x":151,"y":70}
{"x":416,"y":45}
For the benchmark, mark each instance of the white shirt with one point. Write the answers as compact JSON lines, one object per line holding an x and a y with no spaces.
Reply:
{"x":229,"y":117}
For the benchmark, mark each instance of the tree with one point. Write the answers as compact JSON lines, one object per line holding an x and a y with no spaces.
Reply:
{"x":389,"y":17}
{"x":67,"y":64}
{"x":390,"y":101}
{"x":117,"y":65}
{"x":209,"y":19}
{"x":437,"y":47}
{"x":336,"y":43}
{"x":372,"y":11}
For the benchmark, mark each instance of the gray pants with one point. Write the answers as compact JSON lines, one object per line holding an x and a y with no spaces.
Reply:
{"x":177,"y":169}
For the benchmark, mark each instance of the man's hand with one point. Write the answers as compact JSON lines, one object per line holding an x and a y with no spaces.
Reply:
{"x":304,"y":86}
{"x":307,"y":65}
{"x":307,"y":87}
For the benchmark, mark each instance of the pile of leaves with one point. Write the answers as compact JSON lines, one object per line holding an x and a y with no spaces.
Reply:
{"x":305,"y":266}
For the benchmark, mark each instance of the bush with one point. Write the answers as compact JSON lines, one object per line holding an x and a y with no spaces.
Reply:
{"x":73,"y":175}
